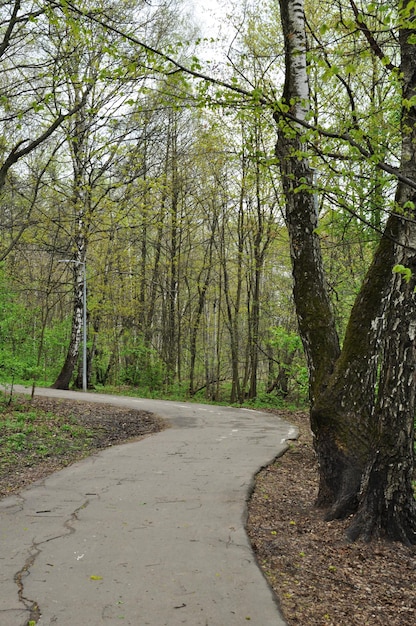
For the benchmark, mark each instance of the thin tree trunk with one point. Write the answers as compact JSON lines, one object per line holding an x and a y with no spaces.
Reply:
{"x":172,"y":280}
{"x":258,"y":254}
{"x":202,"y":289}
{"x":80,"y":201}
{"x":232,"y":305}
{"x":64,"y":378}
{"x":314,"y":311}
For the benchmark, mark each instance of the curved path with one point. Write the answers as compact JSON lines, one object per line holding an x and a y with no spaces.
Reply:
{"x":145,"y":533}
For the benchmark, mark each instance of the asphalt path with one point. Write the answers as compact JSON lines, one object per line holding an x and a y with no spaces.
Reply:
{"x":145,"y":533}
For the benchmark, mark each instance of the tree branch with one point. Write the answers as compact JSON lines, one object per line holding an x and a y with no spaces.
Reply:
{"x":17,"y":152}
{"x":375,"y":47}
{"x":258,"y":98}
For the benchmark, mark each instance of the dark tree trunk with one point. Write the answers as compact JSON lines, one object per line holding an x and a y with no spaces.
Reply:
{"x":362,"y":399}
{"x":203,"y":284}
{"x":172,"y":280}
{"x":387,"y":505}
{"x":342,"y":416}
{"x":233,"y":304}
{"x":280,"y":383}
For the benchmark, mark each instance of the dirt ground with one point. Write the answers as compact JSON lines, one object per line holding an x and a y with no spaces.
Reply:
{"x":318,"y":577}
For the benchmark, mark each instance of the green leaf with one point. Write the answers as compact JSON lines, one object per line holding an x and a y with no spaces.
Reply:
{"x":406,"y":272}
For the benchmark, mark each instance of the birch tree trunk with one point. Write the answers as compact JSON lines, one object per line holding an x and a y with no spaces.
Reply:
{"x":387,"y":504}
{"x":364,"y":443}
{"x":65,"y":376}
{"x":80,"y":202}
{"x":315,"y":316}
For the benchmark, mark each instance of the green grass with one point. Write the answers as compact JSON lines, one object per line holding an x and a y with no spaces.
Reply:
{"x":180,"y":394}
{"x":30,"y":436}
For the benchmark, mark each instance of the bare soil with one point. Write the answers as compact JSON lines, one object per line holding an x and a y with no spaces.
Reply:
{"x":318,"y":577}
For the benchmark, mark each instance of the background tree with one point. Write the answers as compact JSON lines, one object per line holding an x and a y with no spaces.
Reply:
{"x":26,"y":88}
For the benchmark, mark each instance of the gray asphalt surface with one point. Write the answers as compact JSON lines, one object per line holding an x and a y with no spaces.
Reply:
{"x":146,"y":533}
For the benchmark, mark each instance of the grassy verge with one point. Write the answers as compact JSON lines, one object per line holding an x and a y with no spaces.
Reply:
{"x":41,"y":435}
{"x":28,"y":436}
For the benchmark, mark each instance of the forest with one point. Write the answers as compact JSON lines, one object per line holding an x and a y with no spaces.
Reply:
{"x":227,"y":217}
{"x":170,"y":206}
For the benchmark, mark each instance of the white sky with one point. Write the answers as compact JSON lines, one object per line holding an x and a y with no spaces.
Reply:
{"x":211,"y":18}
{"x":210,"y":14}
{"x":207,"y":11}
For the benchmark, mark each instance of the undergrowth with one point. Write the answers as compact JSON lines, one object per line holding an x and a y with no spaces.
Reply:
{"x":36,"y":435}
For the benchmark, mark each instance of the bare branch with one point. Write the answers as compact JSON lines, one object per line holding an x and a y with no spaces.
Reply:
{"x":375,"y":47}
{"x":18,"y":152}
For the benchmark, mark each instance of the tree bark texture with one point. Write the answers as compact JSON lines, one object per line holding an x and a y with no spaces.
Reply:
{"x":387,"y":504}
{"x":314,"y":312}
{"x":81,"y":203}
{"x":362,"y":398}
{"x":203,"y":284}
{"x":65,"y":376}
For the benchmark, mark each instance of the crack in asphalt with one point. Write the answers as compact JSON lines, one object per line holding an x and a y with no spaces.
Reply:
{"x":73,"y":518}
{"x":32,"y":606}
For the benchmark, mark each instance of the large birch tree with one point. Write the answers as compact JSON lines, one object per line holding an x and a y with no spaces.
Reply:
{"x":362,"y":395}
